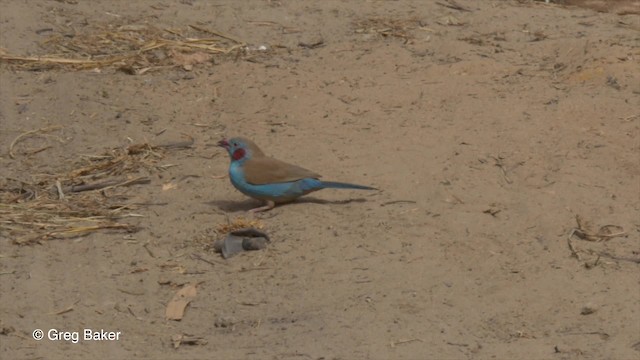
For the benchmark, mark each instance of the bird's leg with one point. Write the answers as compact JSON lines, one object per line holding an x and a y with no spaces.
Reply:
{"x":270,"y":205}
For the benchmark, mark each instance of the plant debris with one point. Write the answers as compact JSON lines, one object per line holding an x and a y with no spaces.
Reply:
{"x":606,"y":232}
{"x":88,"y":198}
{"x":134,"y":48}
{"x":584,"y":231}
{"x":387,"y":27}
{"x":178,"y":304}
{"x":239,"y":223}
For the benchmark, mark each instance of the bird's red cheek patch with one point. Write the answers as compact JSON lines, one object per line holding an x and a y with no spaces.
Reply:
{"x":238,"y":154}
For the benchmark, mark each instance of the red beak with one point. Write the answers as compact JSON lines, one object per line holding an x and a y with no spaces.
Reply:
{"x":224,"y":144}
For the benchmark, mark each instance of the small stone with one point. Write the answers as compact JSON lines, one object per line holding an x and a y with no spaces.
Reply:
{"x":588,"y":309}
{"x":224,"y":321}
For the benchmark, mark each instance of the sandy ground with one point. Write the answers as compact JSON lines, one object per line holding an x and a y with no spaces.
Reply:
{"x":487,"y":127}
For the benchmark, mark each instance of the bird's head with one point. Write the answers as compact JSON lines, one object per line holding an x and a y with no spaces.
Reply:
{"x":240,"y":148}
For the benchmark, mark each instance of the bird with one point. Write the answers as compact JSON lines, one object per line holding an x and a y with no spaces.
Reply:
{"x":270,"y":180}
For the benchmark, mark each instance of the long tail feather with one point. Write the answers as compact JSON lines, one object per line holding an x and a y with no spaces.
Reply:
{"x":339,"y":185}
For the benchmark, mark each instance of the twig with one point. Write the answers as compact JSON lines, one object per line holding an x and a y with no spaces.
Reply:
{"x":40,"y":150}
{"x":136,"y":181}
{"x":399,"y":342}
{"x":60,"y":192}
{"x":398,"y":202}
{"x":93,"y":228}
{"x":255,"y":268}
{"x":619,"y":258}
{"x":63,"y":61}
{"x":107,"y":184}
{"x":457,"y":344}
{"x":146,"y":247}
{"x":73,"y":231}
{"x":503,"y":168}
{"x":65,"y":310}
{"x":139,"y":293}
{"x":200,"y":125}
{"x":574,"y":253}
{"x":584,"y":233}
{"x":314,"y":45}
{"x":492,"y":212}
{"x":199,"y":257}
{"x":453,"y":5}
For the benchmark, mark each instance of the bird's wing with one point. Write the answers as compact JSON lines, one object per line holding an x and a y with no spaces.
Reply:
{"x":266,"y":170}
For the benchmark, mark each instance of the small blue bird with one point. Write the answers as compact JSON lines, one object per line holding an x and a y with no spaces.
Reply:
{"x":272,"y":181}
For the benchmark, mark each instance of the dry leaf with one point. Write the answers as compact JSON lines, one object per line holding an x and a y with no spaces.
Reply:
{"x":177,"y":305}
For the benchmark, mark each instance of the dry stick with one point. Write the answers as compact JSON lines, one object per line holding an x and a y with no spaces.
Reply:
{"x":89,"y":187}
{"x":90,"y":228}
{"x":136,"y":181}
{"x":63,"y":61}
{"x":24,"y":135}
{"x":504,"y":170}
{"x":60,"y":192}
{"x":588,"y":236}
{"x":40,"y":150}
{"x":128,"y":292}
{"x":574,"y":253}
{"x":453,"y":5}
{"x":584,"y":233}
{"x":73,"y":231}
{"x":146,"y":247}
{"x":107,"y":184}
{"x":96,"y":227}
{"x":194,"y":44}
{"x":398,"y":202}
{"x":619,"y":258}
{"x":210,"y":262}
{"x":621,"y":233}
{"x":65,"y":310}
{"x":580,"y":234}
{"x":399,"y":342}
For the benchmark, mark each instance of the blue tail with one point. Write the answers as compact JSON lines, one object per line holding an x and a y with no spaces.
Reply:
{"x":339,"y":185}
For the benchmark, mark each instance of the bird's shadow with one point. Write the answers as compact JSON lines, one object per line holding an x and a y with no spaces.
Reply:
{"x":233,"y":206}
{"x":246,"y":205}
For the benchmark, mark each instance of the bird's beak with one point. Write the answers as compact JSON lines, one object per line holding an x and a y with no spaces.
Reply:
{"x":223,"y":144}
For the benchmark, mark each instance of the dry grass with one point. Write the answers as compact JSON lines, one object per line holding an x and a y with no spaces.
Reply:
{"x":387,"y":27}
{"x":92,"y":196}
{"x":134,"y":48}
{"x":44,"y":219}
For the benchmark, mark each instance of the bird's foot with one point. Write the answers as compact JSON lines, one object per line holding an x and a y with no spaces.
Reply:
{"x":270,"y":205}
